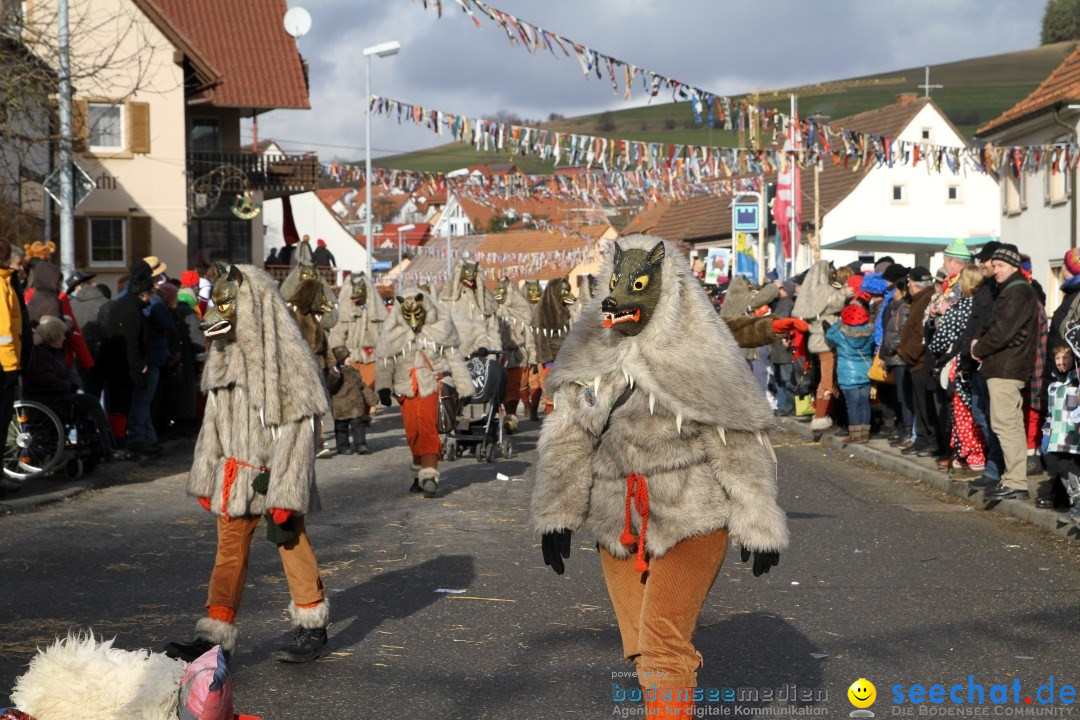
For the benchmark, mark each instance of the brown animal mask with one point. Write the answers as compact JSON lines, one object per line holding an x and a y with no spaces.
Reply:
{"x":502,"y":290}
{"x":359,"y":293}
{"x":413,"y":310}
{"x":567,"y":296}
{"x":220,"y":319}
{"x":307,"y":272}
{"x":635,"y":286}
{"x":469,"y":271}
{"x":533,"y":291}
{"x":310,"y":298}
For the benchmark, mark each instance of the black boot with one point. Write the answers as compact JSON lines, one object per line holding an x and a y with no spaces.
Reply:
{"x":416,"y":485}
{"x":208,"y":633}
{"x":359,"y":436}
{"x":189,"y":651}
{"x":305,"y":645}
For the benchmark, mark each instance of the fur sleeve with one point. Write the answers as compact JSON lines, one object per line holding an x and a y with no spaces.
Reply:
{"x":292,"y":469}
{"x":384,"y":373}
{"x":339,"y":335}
{"x":208,"y":454}
{"x":745,"y":465}
{"x":459,"y":373}
{"x":560,"y":497}
{"x":752,"y":332}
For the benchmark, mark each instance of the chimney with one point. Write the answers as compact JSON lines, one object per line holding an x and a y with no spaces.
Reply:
{"x":905,"y":98}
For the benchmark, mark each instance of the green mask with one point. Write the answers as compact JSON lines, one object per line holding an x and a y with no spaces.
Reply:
{"x":567,"y":296}
{"x":634,"y":289}
{"x":469,"y":271}
{"x":502,"y":290}
{"x":533,"y":291}
{"x":359,"y":293}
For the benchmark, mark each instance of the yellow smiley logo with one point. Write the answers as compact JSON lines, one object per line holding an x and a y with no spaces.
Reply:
{"x":862,"y":693}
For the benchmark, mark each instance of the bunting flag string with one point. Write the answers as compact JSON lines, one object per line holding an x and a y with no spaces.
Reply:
{"x":817,"y":143}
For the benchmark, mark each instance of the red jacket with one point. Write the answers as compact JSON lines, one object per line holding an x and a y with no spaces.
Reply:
{"x":76,"y":346}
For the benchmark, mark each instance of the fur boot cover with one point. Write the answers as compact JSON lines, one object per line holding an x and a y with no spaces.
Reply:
{"x":264,"y":393}
{"x":551,"y":322}
{"x":358,"y":327}
{"x":515,"y":328}
{"x":400,"y":351}
{"x":81,"y":677}
{"x":292,"y":281}
{"x":473,"y":311}
{"x":311,"y":618}
{"x":695,"y":426}
{"x":218,"y":632}
{"x":429,"y":479}
{"x":819,"y":301}
{"x":821,"y":423}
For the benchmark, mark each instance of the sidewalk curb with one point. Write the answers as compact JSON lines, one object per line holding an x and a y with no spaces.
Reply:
{"x":13,"y":503}
{"x":893,"y":462}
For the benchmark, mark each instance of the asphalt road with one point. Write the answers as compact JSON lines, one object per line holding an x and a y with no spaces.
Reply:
{"x":885,"y":580}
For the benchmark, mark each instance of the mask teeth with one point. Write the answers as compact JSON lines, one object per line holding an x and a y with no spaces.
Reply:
{"x":596,"y":384}
{"x":723,"y":435}
{"x":678,"y":422}
{"x":652,"y":403}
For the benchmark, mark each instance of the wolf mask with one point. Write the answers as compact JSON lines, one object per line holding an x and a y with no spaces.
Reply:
{"x":469,"y":271}
{"x":413,"y":310}
{"x":310,"y":298}
{"x":220,"y":319}
{"x":634,"y":288}
{"x":502,"y":290}
{"x":533,"y":291}
{"x":359,"y":292}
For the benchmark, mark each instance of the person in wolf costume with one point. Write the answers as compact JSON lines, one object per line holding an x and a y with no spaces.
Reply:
{"x":551,"y":323}
{"x":472,"y":307}
{"x":515,"y":317}
{"x":309,"y":304}
{"x":361,"y":313}
{"x":418,"y":349}
{"x":255,"y":457}
{"x":306,"y":271}
{"x":659,"y":441}
{"x":820,"y":300}
{"x":531,"y":389}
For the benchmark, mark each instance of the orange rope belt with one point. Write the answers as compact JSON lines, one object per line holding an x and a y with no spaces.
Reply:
{"x":637,"y":492}
{"x":232,"y":467}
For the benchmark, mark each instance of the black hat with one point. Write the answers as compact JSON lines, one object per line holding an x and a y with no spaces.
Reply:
{"x":77,"y":279}
{"x":856,"y":266}
{"x":894,"y":273}
{"x":987,"y":251}
{"x":1009,"y":254}
{"x":140,"y":280}
{"x":920,"y":274}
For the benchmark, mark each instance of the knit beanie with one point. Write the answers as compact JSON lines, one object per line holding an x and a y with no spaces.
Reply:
{"x":854,"y":314}
{"x":189,"y":278}
{"x":874,"y":284}
{"x":958,"y":249}
{"x":1070,"y":266}
{"x":1008,"y":254}
{"x":169,"y":293}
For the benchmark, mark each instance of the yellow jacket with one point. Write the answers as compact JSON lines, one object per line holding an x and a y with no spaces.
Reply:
{"x":10,"y":324}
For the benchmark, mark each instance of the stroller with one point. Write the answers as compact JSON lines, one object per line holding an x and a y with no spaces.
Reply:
{"x":484,"y":434}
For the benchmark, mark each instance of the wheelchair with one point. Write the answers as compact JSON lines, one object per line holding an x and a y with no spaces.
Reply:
{"x":41,"y":439}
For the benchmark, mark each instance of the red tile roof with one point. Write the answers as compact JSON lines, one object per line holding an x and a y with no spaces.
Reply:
{"x":419,"y":235}
{"x":1061,"y":85}
{"x":241,"y":45}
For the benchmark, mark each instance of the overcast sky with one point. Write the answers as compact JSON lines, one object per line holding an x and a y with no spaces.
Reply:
{"x":724,"y":46}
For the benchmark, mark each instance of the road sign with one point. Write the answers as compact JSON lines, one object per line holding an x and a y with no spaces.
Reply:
{"x":747,"y":217}
{"x":82,"y":184}
{"x":381,"y":265}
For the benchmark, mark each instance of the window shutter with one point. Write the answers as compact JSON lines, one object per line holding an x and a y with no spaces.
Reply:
{"x":140,"y":237}
{"x":82,"y":242}
{"x":79,"y":132}
{"x":139,"y":126}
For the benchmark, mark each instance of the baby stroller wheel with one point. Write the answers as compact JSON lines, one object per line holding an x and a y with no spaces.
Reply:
{"x":73,"y":469}
{"x":481,"y":451}
{"x":507,"y":450}
{"x":489,"y":456}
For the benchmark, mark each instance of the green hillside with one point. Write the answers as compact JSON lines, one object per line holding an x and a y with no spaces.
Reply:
{"x":975,"y":91}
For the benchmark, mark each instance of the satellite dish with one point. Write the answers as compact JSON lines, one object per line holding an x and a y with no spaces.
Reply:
{"x":297,"y":22}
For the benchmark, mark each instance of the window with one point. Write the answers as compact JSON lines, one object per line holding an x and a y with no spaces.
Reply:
{"x":1011,"y":201}
{"x":205,"y":134}
{"x":899,"y":194}
{"x":926,"y":134}
{"x":106,"y":122}
{"x":953,"y":194}
{"x":108,"y":242}
{"x":1057,"y":186}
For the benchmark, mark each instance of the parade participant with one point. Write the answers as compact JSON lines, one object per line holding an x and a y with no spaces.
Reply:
{"x":361,"y":314}
{"x":551,"y":322}
{"x":820,"y":299}
{"x":351,"y":401}
{"x":417,"y":355}
{"x":255,"y":457}
{"x":306,"y":271}
{"x":639,"y":447}
{"x":309,"y":303}
{"x":515,"y":316}
{"x":472,"y":307}
{"x":531,"y":390}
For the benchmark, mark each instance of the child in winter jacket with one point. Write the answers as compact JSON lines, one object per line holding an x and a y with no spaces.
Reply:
{"x":1061,"y":437}
{"x":853,"y":339}
{"x":351,"y":401}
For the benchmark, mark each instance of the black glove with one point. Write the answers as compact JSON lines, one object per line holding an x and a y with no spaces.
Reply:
{"x":384,"y":397}
{"x":762,"y":560}
{"x":554,"y":544}
{"x":825,"y":325}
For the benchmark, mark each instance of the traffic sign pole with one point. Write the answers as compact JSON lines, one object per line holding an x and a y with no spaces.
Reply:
{"x":67,"y":205}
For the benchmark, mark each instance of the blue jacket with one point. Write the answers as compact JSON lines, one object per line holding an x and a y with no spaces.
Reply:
{"x":854,"y":353}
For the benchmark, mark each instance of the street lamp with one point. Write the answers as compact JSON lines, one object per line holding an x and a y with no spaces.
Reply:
{"x":400,"y":231}
{"x":382,"y":50}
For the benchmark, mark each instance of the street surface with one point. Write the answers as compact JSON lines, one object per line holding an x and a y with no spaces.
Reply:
{"x":885,"y":580}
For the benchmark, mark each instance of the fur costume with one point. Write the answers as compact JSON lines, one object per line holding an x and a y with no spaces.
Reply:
{"x":358,"y":326}
{"x":818,"y":300}
{"x":400,"y":350}
{"x":299,"y":273}
{"x":740,"y":302}
{"x":309,"y":303}
{"x":551,"y":320}
{"x":472,"y":309}
{"x":264,"y":394}
{"x":695,"y":426}
{"x":515,"y":325}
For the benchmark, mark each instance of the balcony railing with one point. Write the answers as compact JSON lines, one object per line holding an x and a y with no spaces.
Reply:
{"x":270,"y":173}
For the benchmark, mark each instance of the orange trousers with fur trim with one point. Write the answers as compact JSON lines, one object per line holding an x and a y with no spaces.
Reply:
{"x":658,"y":610}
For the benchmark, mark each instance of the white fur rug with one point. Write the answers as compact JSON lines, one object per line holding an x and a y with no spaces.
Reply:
{"x":81,"y":677}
